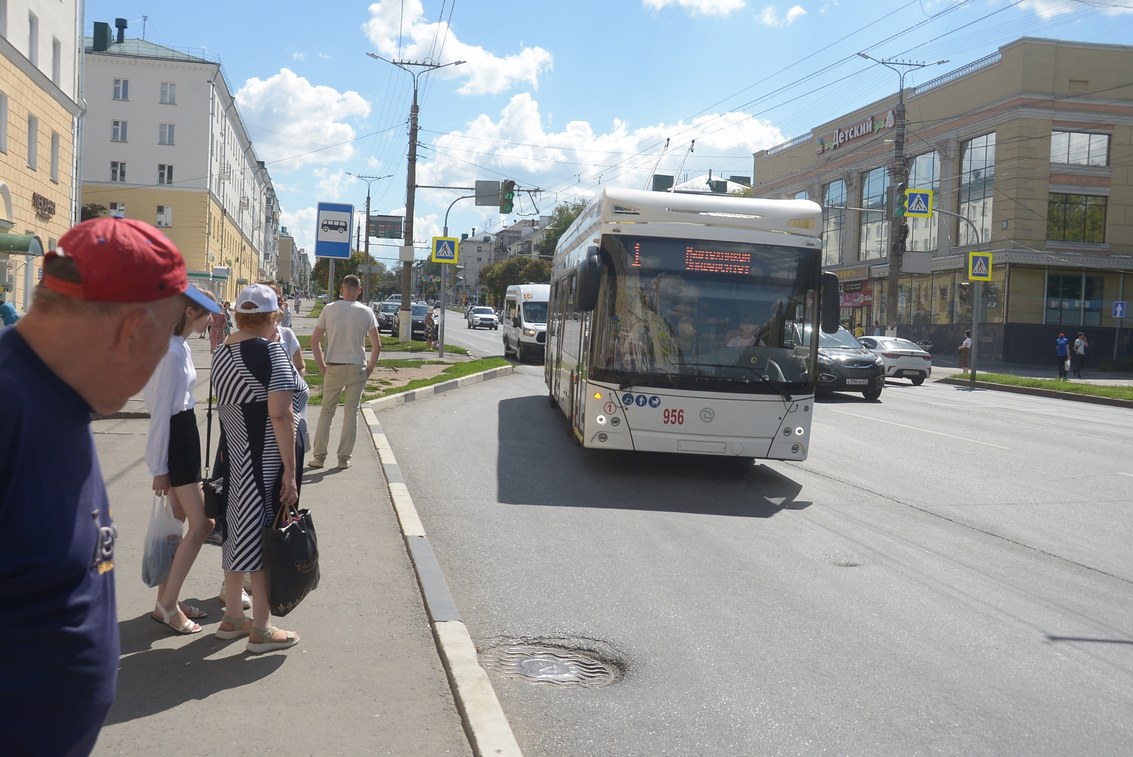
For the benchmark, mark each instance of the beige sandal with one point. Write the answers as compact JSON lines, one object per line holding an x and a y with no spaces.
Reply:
{"x":241,"y":626}
{"x":290,"y":639}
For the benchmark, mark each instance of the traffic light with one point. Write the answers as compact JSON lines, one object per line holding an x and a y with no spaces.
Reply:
{"x":507,"y":195}
{"x":900,"y":200}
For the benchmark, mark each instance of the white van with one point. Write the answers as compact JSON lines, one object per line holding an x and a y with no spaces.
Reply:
{"x":525,"y":320}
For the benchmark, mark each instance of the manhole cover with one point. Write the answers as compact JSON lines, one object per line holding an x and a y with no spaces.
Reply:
{"x":541,"y":663}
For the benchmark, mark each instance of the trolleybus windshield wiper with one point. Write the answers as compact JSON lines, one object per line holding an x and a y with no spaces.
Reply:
{"x":779,"y":386}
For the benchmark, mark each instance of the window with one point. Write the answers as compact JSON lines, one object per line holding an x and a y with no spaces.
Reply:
{"x":924,"y":173}
{"x":802,"y":195}
{"x":833,"y":221}
{"x":118,"y":170}
{"x":118,"y":209}
{"x":1079,"y":148}
{"x":1076,"y":218}
{"x":1073,"y":299}
{"x":168,"y":93}
{"x":874,"y":222}
{"x":164,"y":174}
{"x":33,"y":39}
{"x":3,"y":122}
{"x":56,"y":60}
{"x":33,"y":141}
{"x":117,"y":131}
{"x":121,"y":89}
{"x":164,"y":216}
{"x":55,"y":156}
{"x":165,"y":134}
{"x":977,"y":175}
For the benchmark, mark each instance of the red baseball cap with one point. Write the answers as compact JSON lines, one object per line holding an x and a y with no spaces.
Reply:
{"x":123,"y":260}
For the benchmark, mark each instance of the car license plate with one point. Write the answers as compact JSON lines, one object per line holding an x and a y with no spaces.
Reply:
{"x":911,"y":374}
{"x":856,"y":382}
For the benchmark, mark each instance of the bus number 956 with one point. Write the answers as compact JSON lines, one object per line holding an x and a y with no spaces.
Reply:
{"x":673,"y":417}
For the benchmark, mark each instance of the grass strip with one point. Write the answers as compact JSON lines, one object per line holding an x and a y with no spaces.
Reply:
{"x":1054,"y":385}
{"x":384,"y":386}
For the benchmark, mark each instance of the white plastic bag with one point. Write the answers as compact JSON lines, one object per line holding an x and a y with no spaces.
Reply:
{"x":162,"y":537}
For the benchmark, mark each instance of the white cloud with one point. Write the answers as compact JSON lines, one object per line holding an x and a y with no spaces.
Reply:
{"x":770,"y":16}
{"x":517,"y":145}
{"x":698,"y":7}
{"x":484,"y":71}
{"x":295,"y":123}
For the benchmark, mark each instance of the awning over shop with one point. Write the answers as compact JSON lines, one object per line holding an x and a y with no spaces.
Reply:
{"x":20,"y":244}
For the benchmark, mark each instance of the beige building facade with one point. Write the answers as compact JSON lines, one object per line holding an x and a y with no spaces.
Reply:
{"x":39,"y":92}
{"x":1028,"y":155}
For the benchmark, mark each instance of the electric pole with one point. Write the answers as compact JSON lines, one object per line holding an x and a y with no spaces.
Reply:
{"x":898,"y":183}
{"x":366,"y":274}
{"x":415,"y":69}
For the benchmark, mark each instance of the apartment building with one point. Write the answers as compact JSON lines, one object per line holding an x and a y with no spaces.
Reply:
{"x":1029,"y":156}
{"x":164,"y":143}
{"x":40,"y":88}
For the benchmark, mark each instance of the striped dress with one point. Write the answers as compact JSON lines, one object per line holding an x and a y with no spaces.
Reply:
{"x":243,"y":375}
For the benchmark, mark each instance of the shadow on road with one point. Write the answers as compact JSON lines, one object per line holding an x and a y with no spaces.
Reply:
{"x":535,"y":467}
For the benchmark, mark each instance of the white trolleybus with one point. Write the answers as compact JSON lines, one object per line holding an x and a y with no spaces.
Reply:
{"x":688,"y":323}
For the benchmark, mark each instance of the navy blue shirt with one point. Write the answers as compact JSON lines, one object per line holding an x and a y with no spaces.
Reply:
{"x":58,"y":621}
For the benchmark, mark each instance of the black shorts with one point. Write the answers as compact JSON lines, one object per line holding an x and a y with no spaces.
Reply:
{"x":184,"y":449}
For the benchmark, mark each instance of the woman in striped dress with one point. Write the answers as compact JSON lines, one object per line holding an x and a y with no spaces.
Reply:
{"x":255,"y":384}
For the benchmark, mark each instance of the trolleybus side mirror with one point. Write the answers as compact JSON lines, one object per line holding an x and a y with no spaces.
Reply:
{"x":589,"y":278}
{"x":829,"y":303}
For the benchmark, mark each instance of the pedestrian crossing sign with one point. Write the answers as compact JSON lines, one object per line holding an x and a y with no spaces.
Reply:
{"x":979,"y":266}
{"x":918,"y":203}
{"x":445,"y":250}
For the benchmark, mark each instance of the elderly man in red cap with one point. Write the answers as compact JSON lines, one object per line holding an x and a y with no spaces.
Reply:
{"x":100,"y":321}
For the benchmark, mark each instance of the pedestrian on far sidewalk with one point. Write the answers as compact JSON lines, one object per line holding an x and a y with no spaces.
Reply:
{"x":100,"y":321}
{"x":966,"y":350}
{"x":1078,"y":359}
{"x":7,"y":312}
{"x":346,"y":323}
{"x":1062,"y":354}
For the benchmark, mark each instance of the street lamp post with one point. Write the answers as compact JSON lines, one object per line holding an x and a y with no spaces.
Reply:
{"x":899,"y":176}
{"x":444,"y":280}
{"x":425,"y":67}
{"x":366,"y":275}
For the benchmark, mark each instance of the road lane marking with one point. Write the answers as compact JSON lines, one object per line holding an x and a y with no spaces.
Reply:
{"x":1125,"y":474}
{"x":922,"y":430}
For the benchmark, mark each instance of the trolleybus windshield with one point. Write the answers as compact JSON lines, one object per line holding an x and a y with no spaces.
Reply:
{"x":690,"y":313}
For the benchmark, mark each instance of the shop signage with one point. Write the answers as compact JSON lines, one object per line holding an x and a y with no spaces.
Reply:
{"x":850,"y":274}
{"x":863,"y":128}
{"x":44,"y":208}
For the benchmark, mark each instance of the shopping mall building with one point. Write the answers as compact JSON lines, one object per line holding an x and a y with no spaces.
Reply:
{"x":1029,"y":155}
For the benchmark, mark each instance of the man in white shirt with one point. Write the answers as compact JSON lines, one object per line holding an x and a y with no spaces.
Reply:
{"x":346,"y":324}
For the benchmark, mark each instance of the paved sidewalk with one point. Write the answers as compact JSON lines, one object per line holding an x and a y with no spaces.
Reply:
{"x":366,"y":678}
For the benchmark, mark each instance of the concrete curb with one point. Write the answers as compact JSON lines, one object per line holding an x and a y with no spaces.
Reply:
{"x":445,"y":386}
{"x":485,"y":724}
{"x":1035,"y":392}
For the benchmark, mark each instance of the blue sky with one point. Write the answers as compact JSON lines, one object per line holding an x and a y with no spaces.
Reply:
{"x":564,"y":96}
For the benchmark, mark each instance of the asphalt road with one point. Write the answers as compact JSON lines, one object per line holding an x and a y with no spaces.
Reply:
{"x":948,"y":573}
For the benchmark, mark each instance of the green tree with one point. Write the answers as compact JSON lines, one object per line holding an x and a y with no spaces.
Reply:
{"x":321,"y":270}
{"x":518,"y":270}
{"x":92,"y":210}
{"x":561,"y":219}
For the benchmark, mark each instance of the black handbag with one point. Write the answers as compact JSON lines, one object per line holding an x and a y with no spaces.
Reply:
{"x":291,"y":559}
{"x":216,"y":502}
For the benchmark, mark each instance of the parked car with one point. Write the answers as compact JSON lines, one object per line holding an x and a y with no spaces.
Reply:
{"x":417,"y":311}
{"x":844,"y":365}
{"x":385,"y":312}
{"x":902,"y":358}
{"x":482,"y":315}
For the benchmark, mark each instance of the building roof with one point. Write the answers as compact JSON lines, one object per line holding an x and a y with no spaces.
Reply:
{"x":140,"y":48}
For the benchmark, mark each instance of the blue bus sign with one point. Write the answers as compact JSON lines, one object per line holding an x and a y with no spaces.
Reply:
{"x":334,"y":228}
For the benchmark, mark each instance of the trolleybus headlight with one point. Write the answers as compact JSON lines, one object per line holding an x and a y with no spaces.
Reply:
{"x":800,"y":431}
{"x":602,"y":437}
{"x":600,"y":420}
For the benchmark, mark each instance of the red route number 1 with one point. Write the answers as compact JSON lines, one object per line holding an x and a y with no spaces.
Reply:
{"x":673,"y":417}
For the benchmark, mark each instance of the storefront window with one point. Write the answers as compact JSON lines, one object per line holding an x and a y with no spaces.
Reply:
{"x":1073,"y":299}
{"x":1079,"y":148}
{"x":1076,"y":218}
{"x":874,"y":222}
{"x":977,"y":179}
{"x":833,"y":221}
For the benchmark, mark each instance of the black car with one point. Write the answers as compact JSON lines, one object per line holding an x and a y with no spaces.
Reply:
{"x":845,"y":366}
{"x":417,"y":313}
{"x":385,"y":312}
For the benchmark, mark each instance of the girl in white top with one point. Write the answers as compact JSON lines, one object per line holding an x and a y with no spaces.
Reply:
{"x":173,"y":456}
